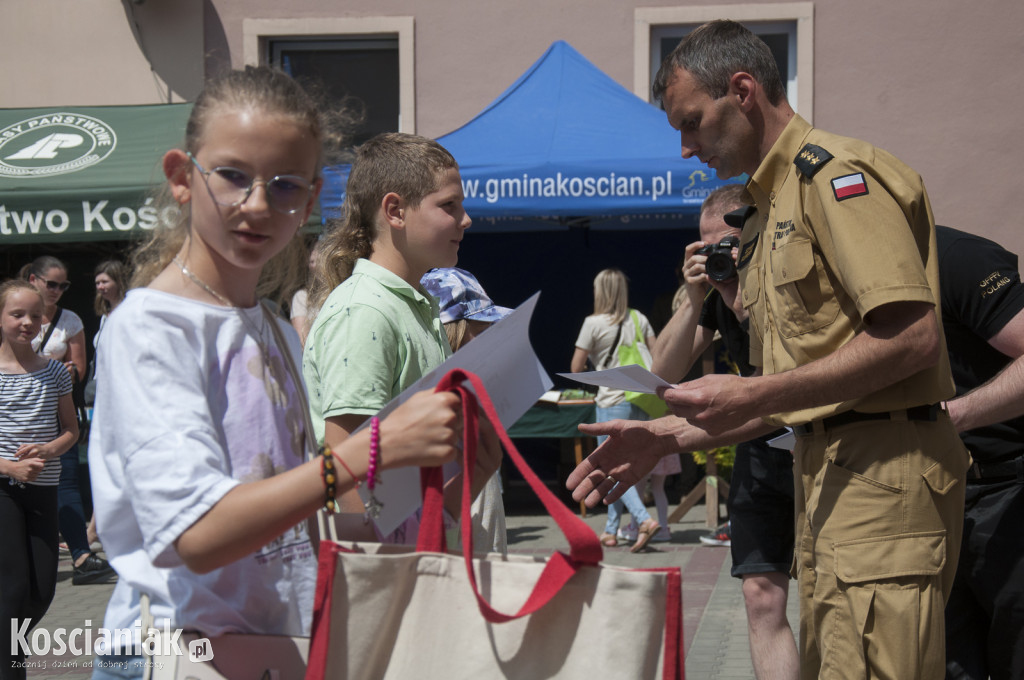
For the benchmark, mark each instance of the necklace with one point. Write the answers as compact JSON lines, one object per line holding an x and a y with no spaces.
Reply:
{"x":256,"y":332}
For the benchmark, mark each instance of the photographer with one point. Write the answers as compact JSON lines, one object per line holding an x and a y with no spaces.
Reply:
{"x":760,"y":534}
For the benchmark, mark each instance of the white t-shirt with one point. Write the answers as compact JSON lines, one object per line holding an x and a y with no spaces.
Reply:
{"x":68,"y":326}
{"x":186,"y":413}
{"x":597,"y":338}
{"x":99,"y":331}
{"x":299,"y":306}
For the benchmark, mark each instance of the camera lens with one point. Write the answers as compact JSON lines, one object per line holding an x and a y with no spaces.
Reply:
{"x":720,"y":266}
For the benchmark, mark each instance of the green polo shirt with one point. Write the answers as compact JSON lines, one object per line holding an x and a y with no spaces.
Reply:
{"x":374,"y":337}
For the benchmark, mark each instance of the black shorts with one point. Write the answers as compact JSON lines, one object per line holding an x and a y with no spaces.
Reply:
{"x":761,"y":509}
{"x":985,"y":610}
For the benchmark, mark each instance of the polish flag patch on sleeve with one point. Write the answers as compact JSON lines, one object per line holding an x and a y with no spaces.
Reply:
{"x":849,"y":186}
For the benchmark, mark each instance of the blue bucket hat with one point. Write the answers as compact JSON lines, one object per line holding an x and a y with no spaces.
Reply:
{"x":461,"y":296}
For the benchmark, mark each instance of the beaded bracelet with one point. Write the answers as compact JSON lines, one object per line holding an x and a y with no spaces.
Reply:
{"x":330,"y":480}
{"x":373,"y":505}
{"x":327,"y":459}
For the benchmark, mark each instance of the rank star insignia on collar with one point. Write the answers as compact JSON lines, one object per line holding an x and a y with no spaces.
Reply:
{"x":811,"y":159}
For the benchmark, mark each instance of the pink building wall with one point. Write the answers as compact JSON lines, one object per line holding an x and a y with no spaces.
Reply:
{"x":935,"y":82}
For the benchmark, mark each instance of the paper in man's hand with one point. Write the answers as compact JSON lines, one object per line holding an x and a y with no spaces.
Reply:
{"x":634,"y":378}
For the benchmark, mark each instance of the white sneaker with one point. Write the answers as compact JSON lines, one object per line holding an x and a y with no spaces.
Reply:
{"x":628,"y":533}
{"x":720,"y":536}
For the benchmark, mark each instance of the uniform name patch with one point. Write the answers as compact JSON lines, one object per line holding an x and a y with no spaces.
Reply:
{"x":849,"y":186}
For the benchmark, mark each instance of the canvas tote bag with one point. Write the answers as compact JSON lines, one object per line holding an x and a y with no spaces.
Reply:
{"x":398,"y":612}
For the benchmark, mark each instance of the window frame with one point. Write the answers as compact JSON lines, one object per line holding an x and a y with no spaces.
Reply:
{"x":648,"y":19}
{"x":259,"y":33}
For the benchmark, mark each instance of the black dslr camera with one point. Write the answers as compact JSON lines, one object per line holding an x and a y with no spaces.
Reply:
{"x":720,"y":266}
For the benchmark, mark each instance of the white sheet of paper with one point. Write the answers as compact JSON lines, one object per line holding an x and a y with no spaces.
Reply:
{"x":634,"y":378}
{"x":786,"y":441}
{"x":508,"y":367}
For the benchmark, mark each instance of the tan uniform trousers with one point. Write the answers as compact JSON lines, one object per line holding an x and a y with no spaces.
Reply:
{"x":880,"y":512}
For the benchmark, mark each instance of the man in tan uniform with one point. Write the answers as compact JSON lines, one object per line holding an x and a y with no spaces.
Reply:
{"x":839,"y":277}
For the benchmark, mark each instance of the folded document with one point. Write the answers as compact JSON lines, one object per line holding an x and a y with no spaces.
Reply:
{"x":634,"y":378}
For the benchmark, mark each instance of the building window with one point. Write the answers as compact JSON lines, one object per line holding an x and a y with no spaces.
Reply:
{"x":368,"y":58}
{"x":365,"y":69}
{"x":780,"y":36}
{"x":786,"y":28}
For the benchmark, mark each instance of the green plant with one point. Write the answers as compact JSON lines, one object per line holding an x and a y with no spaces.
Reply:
{"x":725,"y":458}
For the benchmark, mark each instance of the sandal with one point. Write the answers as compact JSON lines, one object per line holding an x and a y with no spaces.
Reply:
{"x":609,"y":540}
{"x":647,"y":529}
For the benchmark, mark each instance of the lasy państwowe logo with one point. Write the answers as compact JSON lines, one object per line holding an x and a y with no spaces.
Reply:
{"x":54,"y":144}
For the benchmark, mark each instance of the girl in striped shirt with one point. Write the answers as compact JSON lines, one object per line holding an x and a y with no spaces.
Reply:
{"x":37,"y":425}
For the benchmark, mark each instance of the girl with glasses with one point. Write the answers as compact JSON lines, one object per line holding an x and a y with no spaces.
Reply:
{"x":199,"y":440}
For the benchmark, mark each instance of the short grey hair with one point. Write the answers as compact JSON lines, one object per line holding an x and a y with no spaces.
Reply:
{"x":712,"y":53}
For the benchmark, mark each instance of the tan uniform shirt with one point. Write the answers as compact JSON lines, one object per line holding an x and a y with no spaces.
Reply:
{"x":848,"y":231}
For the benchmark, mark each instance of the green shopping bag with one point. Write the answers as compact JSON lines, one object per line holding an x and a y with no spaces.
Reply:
{"x":639,"y":353}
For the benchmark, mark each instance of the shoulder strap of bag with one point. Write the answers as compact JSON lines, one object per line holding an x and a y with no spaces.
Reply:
{"x":324,"y":523}
{"x":615,"y":347}
{"x":91,"y":369}
{"x":640,"y":339}
{"x":584,"y":547}
{"x":49,"y":331}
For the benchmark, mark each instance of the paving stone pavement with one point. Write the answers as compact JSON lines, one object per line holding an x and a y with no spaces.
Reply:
{"x":714,"y":619}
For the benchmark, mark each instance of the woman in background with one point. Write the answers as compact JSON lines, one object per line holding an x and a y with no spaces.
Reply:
{"x":598,"y":341}
{"x":111,"y":280}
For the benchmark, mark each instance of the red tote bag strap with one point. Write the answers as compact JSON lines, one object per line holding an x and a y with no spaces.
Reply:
{"x":584,"y":547}
{"x":431,"y":537}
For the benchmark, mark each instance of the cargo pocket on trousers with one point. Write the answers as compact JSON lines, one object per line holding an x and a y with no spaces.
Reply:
{"x":941,"y":478}
{"x":843,"y":502}
{"x":891,"y":585}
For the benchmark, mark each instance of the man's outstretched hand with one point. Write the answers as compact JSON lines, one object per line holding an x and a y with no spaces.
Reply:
{"x":627,"y":456}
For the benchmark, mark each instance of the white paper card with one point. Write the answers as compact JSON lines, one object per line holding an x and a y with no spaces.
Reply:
{"x":784,"y":441}
{"x":634,"y":378}
{"x":508,"y":367}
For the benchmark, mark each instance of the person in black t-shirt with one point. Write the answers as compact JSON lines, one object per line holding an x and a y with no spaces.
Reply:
{"x":983,"y":318}
{"x":761,"y":490}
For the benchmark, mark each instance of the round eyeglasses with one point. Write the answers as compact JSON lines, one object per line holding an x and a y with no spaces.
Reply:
{"x":231,"y":187}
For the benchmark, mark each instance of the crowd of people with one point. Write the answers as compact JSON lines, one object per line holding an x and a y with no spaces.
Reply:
{"x":219,"y":427}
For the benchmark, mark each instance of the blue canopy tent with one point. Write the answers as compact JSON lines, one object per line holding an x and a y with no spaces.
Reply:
{"x":564,"y":144}
{"x":566,"y":147}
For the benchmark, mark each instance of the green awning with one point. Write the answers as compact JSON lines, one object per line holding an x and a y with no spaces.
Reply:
{"x":83,"y":173}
